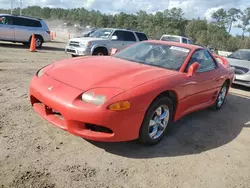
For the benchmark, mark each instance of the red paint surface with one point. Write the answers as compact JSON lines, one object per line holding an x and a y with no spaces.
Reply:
{"x":118,"y":80}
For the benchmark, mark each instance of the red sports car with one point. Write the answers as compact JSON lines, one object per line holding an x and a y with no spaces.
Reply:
{"x":134,"y":94}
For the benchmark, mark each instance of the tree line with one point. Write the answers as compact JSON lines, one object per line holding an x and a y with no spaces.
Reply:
{"x":170,"y":21}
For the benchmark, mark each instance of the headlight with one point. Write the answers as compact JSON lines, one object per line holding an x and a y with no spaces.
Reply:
{"x":90,"y":97}
{"x":85,"y":45}
{"x":82,"y":44}
{"x":40,"y":73}
{"x":89,"y":44}
{"x":42,"y":70}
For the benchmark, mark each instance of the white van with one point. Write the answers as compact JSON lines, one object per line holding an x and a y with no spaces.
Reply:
{"x":176,"y":38}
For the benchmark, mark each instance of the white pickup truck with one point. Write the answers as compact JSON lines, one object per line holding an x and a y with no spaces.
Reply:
{"x":102,"y":41}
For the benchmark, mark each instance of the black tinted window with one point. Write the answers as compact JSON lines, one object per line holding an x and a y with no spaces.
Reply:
{"x":184,"y":40}
{"x":129,"y":36}
{"x":124,"y":36}
{"x":6,"y":20}
{"x":26,"y":22}
{"x":141,"y":36}
{"x":119,"y":35}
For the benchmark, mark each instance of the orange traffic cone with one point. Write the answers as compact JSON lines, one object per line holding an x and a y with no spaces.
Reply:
{"x":51,"y":36}
{"x":33,"y":44}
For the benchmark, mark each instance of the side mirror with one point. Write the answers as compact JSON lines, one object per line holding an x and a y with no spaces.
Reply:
{"x":192,"y":69}
{"x":114,"y":37}
{"x":113,"y":51}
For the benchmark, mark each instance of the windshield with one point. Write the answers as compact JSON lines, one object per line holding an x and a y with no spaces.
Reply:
{"x":241,"y":54}
{"x":160,"y":55}
{"x":170,"y":38}
{"x":101,"y":33}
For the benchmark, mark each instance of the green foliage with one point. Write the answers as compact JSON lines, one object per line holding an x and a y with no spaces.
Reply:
{"x":215,"y":34}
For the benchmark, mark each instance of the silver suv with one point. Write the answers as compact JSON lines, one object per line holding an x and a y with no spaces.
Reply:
{"x":16,"y":28}
{"x":102,"y":41}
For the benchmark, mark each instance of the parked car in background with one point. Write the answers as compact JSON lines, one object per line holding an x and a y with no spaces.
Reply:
{"x":176,"y":38}
{"x":86,"y":33}
{"x":240,"y":60}
{"x":14,"y":28}
{"x":102,"y":41}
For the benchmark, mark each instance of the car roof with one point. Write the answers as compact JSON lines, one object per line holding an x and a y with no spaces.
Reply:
{"x":122,"y":29}
{"x":248,"y":50}
{"x":32,"y":18}
{"x":166,"y":35}
{"x":184,"y":45}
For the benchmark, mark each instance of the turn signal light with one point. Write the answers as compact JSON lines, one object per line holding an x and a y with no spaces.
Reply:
{"x":122,"y":105}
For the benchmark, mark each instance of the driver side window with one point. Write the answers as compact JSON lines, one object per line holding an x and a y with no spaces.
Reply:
{"x":205,"y":60}
{"x":119,"y":34}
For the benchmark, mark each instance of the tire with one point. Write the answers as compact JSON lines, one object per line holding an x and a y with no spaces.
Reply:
{"x":221,"y":97}
{"x":72,"y":55}
{"x":39,"y":41}
{"x":100,"y":52}
{"x":147,"y":131}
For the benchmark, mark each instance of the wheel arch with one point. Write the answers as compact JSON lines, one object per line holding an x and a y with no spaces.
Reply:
{"x":36,"y":36}
{"x":173,"y":97}
{"x":99,"y":46}
{"x":228,"y":82}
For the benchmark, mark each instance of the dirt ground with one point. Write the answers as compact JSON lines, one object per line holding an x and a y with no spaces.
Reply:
{"x":205,"y":149}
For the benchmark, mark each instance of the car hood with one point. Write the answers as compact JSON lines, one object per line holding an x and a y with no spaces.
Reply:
{"x":91,"y":72}
{"x":86,"y":39}
{"x":239,"y":63}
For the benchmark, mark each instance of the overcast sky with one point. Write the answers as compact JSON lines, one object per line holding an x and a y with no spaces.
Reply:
{"x":191,"y":8}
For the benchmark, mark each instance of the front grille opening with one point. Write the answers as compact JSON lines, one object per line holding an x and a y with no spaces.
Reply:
{"x":240,"y":70}
{"x":98,"y":128}
{"x":243,"y":81}
{"x":34,"y":100}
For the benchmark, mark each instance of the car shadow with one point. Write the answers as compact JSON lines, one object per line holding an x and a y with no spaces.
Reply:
{"x":195,"y":133}
{"x":244,"y":88}
{"x":45,"y":47}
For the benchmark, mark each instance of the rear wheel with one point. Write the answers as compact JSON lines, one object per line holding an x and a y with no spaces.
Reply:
{"x":39,"y":41}
{"x":156,"y":121}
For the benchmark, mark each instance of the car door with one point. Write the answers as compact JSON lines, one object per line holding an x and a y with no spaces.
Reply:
{"x":6,"y":28}
{"x":205,"y":82}
{"x":117,"y":43}
{"x":124,"y":38}
{"x":22,"y":29}
{"x":129,"y":38}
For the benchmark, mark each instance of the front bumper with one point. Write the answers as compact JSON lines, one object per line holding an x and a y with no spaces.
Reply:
{"x":243,"y":80}
{"x":61,"y":107}
{"x":77,"y":51}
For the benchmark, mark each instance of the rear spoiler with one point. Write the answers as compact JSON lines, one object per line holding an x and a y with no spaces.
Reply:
{"x":221,"y":60}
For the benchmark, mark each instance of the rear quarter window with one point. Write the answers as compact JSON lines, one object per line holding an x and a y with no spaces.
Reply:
{"x":141,"y":36}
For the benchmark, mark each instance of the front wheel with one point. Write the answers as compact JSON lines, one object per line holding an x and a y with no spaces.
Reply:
{"x":156,"y":121}
{"x":221,"y":97}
